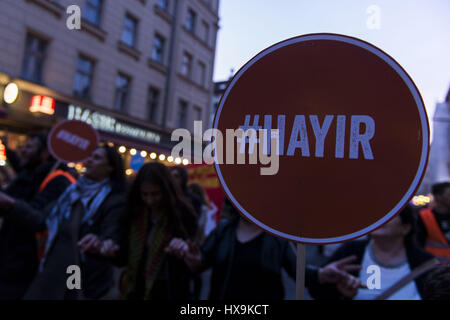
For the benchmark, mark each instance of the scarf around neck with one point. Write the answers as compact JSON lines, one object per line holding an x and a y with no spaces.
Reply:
{"x":154,"y":258}
{"x":90,"y":193}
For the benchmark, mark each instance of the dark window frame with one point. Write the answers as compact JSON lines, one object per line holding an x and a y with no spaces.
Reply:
{"x":86,"y":74}
{"x":158,"y":52}
{"x":206,"y":29}
{"x":39,"y":54}
{"x":182,"y":113}
{"x":186,"y":64}
{"x":153,"y":99}
{"x":163,"y":5}
{"x":96,"y":8}
{"x":202,"y":73}
{"x":133,"y":32}
{"x":124,"y":91}
{"x":191,"y":20}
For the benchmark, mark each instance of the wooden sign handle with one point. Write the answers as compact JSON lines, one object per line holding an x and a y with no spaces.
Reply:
{"x":300,"y":277}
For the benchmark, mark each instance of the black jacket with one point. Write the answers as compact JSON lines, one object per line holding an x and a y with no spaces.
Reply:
{"x":96,"y":271}
{"x":218,"y":249}
{"x":18,"y":252}
{"x":415,"y":256}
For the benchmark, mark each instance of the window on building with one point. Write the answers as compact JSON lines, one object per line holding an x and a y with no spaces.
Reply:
{"x":83,"y":78}
{"x":163,"y":4}
{"x":186,"y":65}
{"x":182,"y":114}
{"x":205,"y":32}
{"x":202,"y":73}
{"x":122,"y":92}
{"x":152,"y":103}
{"x":198,"y":113}
{"x":33,"y":59}
{"x":191,"y":20}
{"x":129,"y":31}
{"x":92,"y":11}
{"x":158,"y":48}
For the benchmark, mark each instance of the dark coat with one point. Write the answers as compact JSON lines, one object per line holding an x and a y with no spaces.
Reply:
{"x":18,"y":250}
{"x":96,"y":271}
{"x":218,"y":249}
{"x":415,"y":256}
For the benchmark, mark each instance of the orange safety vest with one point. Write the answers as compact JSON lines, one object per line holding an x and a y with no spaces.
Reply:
{"x":41,"y":237}
{"x":436,"y":243}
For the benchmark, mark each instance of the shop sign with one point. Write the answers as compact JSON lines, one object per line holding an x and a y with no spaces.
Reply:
{"x":2,"y":153}
{"x":110,"y":124}
{"x":42,"y":104}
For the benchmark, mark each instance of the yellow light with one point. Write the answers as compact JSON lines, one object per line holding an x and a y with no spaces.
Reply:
{"x":110,"y":144}
{"x":122,"y":149}
{"x":143,"y":154}
{"x":170,"y":158}
{"x":133,"y":152}
{"x":78,"y":166}
{"x":162,"y":157}
{"x":178,"y":160}
{"x":185,"y":162}
{"x":71,"y":165}
{"x":11,"y":93}
{"x":153,"y":155}
{"x":129,"y":172}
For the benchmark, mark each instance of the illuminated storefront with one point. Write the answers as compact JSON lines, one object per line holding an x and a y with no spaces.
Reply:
{"x":29,"y":107}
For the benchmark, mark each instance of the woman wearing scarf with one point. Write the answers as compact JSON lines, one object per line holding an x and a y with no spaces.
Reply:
{"x":157,"y":212}
{"x":91,"y":206}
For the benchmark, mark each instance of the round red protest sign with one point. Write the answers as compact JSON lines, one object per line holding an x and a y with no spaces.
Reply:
{"x":353,"y":138}
{"x":72,"y":141}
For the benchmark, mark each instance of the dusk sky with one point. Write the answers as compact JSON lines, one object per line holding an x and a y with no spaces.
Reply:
{"x":416,"y":33}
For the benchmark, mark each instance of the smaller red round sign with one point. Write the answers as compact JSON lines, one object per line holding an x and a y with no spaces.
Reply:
{"x":72,"y":141}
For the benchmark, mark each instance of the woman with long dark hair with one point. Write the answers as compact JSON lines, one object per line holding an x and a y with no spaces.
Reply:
{"x":157,"y":212}
{"x":87,"y":213}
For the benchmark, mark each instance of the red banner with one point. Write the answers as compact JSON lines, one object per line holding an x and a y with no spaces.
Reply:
{"x":205,"y":175}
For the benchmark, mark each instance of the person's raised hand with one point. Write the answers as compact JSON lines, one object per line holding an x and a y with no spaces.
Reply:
{"x":338,"y":271}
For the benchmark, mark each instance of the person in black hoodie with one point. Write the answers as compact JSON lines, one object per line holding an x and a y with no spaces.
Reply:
{"x":394,"y":249}
{"x":18,"y":245}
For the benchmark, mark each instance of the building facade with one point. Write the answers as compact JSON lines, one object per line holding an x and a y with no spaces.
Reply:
{"x":440,"y":147}
{"x":136,"y":70}
{"x":438,"y":169}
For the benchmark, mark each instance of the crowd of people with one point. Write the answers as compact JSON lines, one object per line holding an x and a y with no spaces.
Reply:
{"x":152,"y":237}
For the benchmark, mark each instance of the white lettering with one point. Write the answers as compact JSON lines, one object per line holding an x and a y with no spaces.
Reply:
{"x":74,"y":280}
{"x":73,"y":22}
